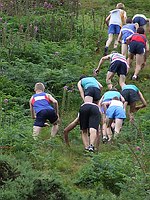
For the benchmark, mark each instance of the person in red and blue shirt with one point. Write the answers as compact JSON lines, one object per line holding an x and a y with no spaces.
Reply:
{"x":138,"y":46}
{"x":42,"y":110}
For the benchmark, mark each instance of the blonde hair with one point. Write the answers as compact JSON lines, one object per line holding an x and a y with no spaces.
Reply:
{"x":39,"y":86}
{"x":120,"y":6}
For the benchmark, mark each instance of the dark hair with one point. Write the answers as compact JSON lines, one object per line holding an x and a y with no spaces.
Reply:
{"x":113,"y":89}
{"x":82,"y":76}
{"x":129,"y":20}
{"x":115,"y":98}
{"x":140,"y":30}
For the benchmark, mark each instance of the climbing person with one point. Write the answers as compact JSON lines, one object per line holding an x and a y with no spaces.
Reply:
{"x":139,"y":47}
{"x":115,"y":113}
{"x":142,"y":20}
{"x":114,"y":21}
{"x":89,"y":120}
{"x":128,"y":29}
{"x":90,"y":89}
{"x":104,"y":104}
{"x":42,"y":110}
{"x":118,"y":64}
{"x":132,"y":95}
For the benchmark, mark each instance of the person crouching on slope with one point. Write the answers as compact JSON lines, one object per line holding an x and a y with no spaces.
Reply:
{"x":41,"y":110}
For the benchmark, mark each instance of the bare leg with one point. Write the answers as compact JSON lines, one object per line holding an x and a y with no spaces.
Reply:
{"x":118,"y":126}
{"x":93,"y":136}
{"x":130,"y":58}
{"x":122,"y":79}
{"x":36,"y":131}
{"x":124,"y":49}
{"x":139,"y":62}
{"x":109,"y":76}
{"x":85,"y":138}
{"x":109,"y":41}
{"x":54,"y":130}
{"x":109,"y":132}
{"x":98,"y":138}
{"x":116,"y":41}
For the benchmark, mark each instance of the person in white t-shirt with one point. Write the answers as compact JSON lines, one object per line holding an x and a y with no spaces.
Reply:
{"x":115,"y":112}
{"x":114,"y":21}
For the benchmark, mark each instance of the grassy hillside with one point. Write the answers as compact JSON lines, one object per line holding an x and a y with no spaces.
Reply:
{"x":55,"y":43}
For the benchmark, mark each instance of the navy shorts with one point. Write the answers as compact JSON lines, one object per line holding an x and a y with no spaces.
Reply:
{"x":140,"y":20}
{"x":114,"y":29}
{"x":89,"y":116}
{"x":43,"y":115}
{"x":118,"y":67}
{"x":130,"y":95}
{"x":93,"y":92}
{"x":136,"y":47}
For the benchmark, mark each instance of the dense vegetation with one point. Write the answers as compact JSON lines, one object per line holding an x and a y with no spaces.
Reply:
{"x":55,"y":42}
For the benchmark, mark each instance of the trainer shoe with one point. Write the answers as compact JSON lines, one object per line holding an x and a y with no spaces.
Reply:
{"x":105,"y":139}
{"x":91,"y":148}
{"x":134,"y":77}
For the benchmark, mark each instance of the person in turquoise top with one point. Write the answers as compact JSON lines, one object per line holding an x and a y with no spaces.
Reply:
{"x":104,"y":104}
{"x":131,"y":95}
{"x":90,"y":89}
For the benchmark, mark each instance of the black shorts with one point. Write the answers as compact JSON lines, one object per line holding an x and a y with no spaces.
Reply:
{"x":136,"y":47}
{"x":89,"y":116}
{"x":118,"y":67}
{"x":44,"y":115}
{"x":130,"y":95}
{"x":140,"y":20}
{"x":93,"y":92}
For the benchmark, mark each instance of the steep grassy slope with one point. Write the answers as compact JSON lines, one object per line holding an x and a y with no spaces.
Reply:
{"x":62,"y":49}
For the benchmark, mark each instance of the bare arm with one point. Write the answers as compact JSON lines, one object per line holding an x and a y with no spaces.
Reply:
{"x":31,"y":109}
{"x":119,"y":36}
{"x":81,"y":90}
{"x":144,"y":104}
{"x":107,"y":19}
{"x":102,"y":60}
{"x":100,"y":86}
{"x":71,"y":126}
{"x":54,"y":102}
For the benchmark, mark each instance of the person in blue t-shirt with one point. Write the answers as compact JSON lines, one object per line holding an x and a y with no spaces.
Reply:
{"x":41,"y":110}
{"x":128,"y":29}
{"x":90,"y":89}
{"x":131,"y":95}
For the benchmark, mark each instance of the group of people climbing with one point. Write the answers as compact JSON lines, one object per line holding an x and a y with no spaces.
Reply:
{"x":110,"y":109}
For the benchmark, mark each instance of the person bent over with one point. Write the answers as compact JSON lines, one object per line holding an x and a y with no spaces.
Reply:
{"x":139,"y":47}
{"x":42,"y":110}
{"x":132,"y":95}
{"x":118,"y":64}
{"x":89,"y":117}
{"x":90,"y":89}
{"x":115,"y":112}
{"x":128,"y":29}
{"x":104,"y":104}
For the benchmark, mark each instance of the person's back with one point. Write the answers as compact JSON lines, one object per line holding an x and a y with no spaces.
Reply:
{"x":109,"y":95}
{"x":89,"y":82}
{"x":40,"y":102}
{"x":116,"y":17}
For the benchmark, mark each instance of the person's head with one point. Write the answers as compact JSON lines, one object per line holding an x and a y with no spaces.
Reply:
{"x":113,"y":89}
{"x":120,"y":6}
{"x":39,"y":87}
{"x":128,"y":20}
{"x":82,"y":76}
{"x":140,"y":30}
{"x":115,"y":98}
